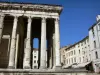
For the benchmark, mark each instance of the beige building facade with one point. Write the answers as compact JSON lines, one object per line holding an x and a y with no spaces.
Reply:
{"x":35,"y":58}
{"x":20,"y":23}
{"x":77,"y":53}
{"x":62,"y":51}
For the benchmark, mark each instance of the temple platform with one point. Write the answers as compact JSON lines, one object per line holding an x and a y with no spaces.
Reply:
{"x":43,"y":72}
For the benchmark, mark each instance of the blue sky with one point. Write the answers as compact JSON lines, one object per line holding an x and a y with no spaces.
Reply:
{"x":77,"y":16}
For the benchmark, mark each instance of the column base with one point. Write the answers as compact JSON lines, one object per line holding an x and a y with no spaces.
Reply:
{"x":26,"y":67}
{"x":42,"y":67}
{"x":57,"y":67}
{"x":11,"y":67}
{"x":53,"y":67}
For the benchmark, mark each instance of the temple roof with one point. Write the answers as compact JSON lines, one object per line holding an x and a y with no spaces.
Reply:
{"x":30,"y":6}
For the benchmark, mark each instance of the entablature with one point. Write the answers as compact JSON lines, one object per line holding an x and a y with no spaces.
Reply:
{"x":29,"y":13}
{"x":31,"y":7}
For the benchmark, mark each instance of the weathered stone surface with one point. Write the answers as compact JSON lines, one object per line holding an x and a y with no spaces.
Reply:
{"x":41,"y":23}
{"x":43,"y":44}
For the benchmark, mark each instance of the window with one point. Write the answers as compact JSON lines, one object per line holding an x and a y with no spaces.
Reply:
{"x":99,"y":26}
{"x":67,"y":55}
{"x":81,"y":44}
{"x":90,"y":56}
{"x":75,"y":59}
{"x":72,"y":60}
{"x":78,"y":45}
{"x":93,"y":32}
{"x":94,"y":44}
{"x":34,"y":56}
{"x":96,"y":54}
{"x":69,"y":61}
{"x":83,"y":52}
{"x":34,"y":61}
{"x":88,"y":45}
{"x":74,"y":52}
{"x":80,"y":59}
{"x":79,"y":51}
{"x":64,"y":61}
{"x":83,"y":59}
{"x":71,"y":52}
{"x":84,"y":42}
{"x":87,"y":40}
{"x":35,"y":66}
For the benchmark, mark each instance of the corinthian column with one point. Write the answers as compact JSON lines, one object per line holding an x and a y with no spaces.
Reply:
{"x":43,"y":44}
{"x":27,"y":51}
{"x":1,"y":26}
{"x":13,"y":45}
{"x":57,"y":43}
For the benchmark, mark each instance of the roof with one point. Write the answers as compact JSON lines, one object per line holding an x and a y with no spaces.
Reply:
{"x":29,"y":3}
{"x":77,"y":42}
{"x":47,"y":7}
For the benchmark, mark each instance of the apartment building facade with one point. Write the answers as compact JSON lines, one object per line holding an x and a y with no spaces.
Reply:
{"x":77,"y":53}
{"x":35,"y":58}
{"x":94,"y":41}
{"x":63,"y":55}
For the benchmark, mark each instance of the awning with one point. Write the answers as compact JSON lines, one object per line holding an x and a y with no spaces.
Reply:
{"x":80,"y":65}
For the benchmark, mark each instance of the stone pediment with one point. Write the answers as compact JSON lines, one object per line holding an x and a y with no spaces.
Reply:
{"x":30,"y":7}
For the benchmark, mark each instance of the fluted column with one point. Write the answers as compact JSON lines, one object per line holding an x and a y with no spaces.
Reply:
{"x":50,"y":51}
{"x":1,"y":25}
{"x":13,"y":44}
{"x":51,"y":58}
{"x":57,"y":43}
{"x":43,"y":44}
{"x":27,"y":51}
{"x":54,"y":55}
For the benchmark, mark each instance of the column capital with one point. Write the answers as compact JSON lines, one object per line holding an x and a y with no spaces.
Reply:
{"x":29,"y":19}
{"x":43,"y":19}
{"x":16,"y":17}
{"x":57,"y":19}
{"x":2,"y":15}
